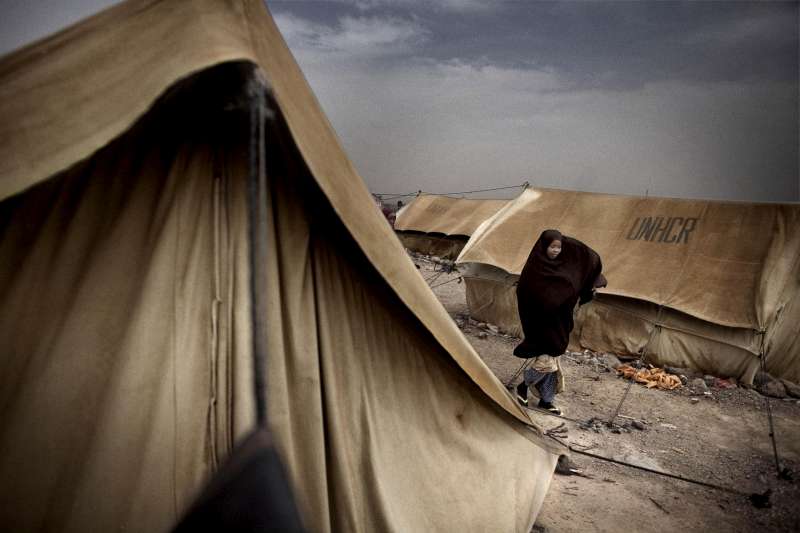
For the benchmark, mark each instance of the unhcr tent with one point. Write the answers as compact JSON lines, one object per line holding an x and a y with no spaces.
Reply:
{"x":699,"y":284}
{"x":440,"y":225}
{"x":175,"y":211}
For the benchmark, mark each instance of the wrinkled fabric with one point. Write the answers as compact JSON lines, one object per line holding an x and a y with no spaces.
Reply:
{"x":544,"y":364}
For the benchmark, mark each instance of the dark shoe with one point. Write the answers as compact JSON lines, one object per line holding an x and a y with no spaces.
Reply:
{"x":549,"y":407}
{"x":522,"y":394}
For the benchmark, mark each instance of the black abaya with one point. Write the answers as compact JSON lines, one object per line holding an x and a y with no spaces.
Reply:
{"x":548,"y":290}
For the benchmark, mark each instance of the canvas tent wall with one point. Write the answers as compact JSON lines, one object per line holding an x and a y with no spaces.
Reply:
{"x":139,"y":274}
{"x":440,"y":225}
{"x":703,"y":284}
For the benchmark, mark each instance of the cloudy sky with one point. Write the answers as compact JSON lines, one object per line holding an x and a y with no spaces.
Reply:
{"x":695,"y":99}
{"x":687,"y":99}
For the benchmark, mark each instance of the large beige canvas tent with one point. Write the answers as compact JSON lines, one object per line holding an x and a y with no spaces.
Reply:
{"x":701,"y":284}
{"x":174,"y":207}
{"x":439,"y":225}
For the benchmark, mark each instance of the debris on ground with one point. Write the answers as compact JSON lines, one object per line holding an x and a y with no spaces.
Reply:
{"x":768,"y":385}
{"x":651,"y":377}
{"x":730,"y":383}
{"x":792,"y":389}
{"x":602,"y":362}
{"x":558,"y":431}
{"x":698,"y":385}
{"x":658,"y":505}
{"x":566,"y":467}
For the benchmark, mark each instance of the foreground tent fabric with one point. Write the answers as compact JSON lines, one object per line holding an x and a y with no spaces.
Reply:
{"x":440,"y":225}
{"x":701,"y":284}
{"x":141,"y":279}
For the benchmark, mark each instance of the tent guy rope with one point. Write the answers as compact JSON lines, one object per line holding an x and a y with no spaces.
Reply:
{"x":656,"y":326}
{"x":391,"y":196}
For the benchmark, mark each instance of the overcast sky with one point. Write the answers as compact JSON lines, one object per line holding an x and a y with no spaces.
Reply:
{"x":687,"y":99}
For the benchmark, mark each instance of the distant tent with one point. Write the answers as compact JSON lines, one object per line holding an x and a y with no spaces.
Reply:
{"x":714,"y":279}
{"x":174,"y":207}
{"x":440,"y":225}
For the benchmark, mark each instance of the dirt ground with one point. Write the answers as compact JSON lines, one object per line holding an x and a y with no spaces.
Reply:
{"x":721,"y":438}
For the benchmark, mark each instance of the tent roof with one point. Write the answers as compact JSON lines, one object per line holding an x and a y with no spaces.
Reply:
{"x":725,"y":262}
{"x":432,"y":213}
{"x":56,"y":112}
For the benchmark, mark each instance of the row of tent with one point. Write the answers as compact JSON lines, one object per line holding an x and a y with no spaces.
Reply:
{"x":440,"y":225}
{"x":185,"y":258}
{"x":709,"y":285}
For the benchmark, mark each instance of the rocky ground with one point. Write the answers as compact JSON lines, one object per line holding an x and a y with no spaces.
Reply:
{"x":701,"y":431}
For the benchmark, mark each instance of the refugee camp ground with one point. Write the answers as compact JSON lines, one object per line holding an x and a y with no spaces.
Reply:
{"x":715,"y":433}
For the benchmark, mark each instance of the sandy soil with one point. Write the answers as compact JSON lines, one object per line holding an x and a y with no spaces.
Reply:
{"x":721,"y":439}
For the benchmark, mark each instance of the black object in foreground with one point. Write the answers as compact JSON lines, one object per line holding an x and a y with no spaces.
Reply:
{"x":249,"y":493}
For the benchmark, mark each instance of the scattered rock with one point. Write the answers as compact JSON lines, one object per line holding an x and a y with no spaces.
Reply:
{"x":638,"y":425}
{"x":594,"y":424}
{"x":610,"y":360}
{"x":761,"y":378}
{"x":773,"y":388}
{"x":682,"y":371}
{"x":494,"y":329}
{"x":566,"y":467}
{"x":482,"y":335}
{"x":699,"y":385}
{"x":709,"y":380}
{"x":668,"y":426}
{"x":792,"y":389}
{"x":694,"y":400}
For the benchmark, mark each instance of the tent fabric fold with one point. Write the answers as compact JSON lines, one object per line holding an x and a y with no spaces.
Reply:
{"x":126,"y":325}
{"x":125,"y":321}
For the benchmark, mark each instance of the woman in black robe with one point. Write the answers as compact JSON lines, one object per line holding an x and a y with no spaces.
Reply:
{"x":559,"y":272}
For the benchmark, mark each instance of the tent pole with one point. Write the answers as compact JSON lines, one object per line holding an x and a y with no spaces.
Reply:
{"x":258,"y":225}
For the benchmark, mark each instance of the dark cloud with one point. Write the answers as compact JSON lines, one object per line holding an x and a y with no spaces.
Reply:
{"x":605,"y":45}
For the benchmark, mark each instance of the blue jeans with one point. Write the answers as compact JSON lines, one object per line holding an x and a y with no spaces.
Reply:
{"x":546,"y":384}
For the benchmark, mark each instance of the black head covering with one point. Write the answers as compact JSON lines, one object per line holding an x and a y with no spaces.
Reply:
{"x":548,"y":290}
